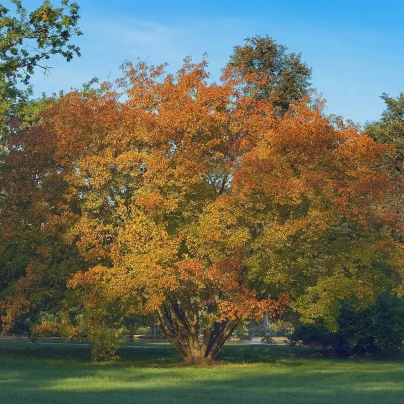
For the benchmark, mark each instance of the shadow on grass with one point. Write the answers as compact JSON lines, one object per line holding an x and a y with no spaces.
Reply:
{"x":258,"y":374}
{"x":158,"y":354}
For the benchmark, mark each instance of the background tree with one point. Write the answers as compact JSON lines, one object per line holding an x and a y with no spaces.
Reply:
{"x":390,"y":128}
{"x":33,"y":259}
{"x":280,"y":77}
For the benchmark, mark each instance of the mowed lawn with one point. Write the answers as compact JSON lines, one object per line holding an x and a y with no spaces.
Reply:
{"x":243,"y":374}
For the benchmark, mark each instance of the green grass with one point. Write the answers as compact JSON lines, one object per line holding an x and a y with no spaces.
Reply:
{"x":244,"y":374}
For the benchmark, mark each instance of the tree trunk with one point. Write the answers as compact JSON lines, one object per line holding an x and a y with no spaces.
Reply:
{"x":183,"y":331}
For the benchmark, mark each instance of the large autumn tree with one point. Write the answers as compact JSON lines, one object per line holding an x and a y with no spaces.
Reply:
{"x":200,"y":204}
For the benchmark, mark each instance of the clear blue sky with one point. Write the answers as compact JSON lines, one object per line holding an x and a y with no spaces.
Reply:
{"x":355,"y":47}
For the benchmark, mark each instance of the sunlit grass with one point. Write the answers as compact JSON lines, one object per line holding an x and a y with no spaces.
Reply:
{"x":243,"y":374}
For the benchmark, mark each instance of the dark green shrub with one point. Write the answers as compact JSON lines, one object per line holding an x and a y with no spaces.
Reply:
{"x":368,"y":331}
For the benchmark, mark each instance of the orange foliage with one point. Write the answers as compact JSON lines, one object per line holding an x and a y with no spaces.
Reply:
{"x":197,"y":202}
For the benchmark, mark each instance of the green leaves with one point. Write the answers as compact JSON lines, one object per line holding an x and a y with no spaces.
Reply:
{"x":390,"y":129}
{"x":277,"y":76}
{"x":28,"y":40}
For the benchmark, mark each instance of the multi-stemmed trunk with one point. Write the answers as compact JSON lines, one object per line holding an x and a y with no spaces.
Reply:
{"x":183,"y":331}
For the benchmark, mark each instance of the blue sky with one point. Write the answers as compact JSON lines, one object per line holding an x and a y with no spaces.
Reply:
{"x":355,"y":48}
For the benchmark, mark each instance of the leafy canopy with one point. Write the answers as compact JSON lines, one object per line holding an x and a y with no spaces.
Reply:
{"x":200,"y":204}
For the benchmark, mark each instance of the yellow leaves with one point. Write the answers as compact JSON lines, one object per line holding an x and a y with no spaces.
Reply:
{"x":107,"y":295}
{"x":219,"y":231}
{"x":131,"y":162}
{"x":197,"y":193}
{"x":92,"y":239}
{"x":154,"y":202}
{"x":95,"y":170}
{"x":25,"y":294}
{"x":53,"y":328}
{"x":102,"y":285}
{"x":324,"y":299}
{"x":150,"y":201}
